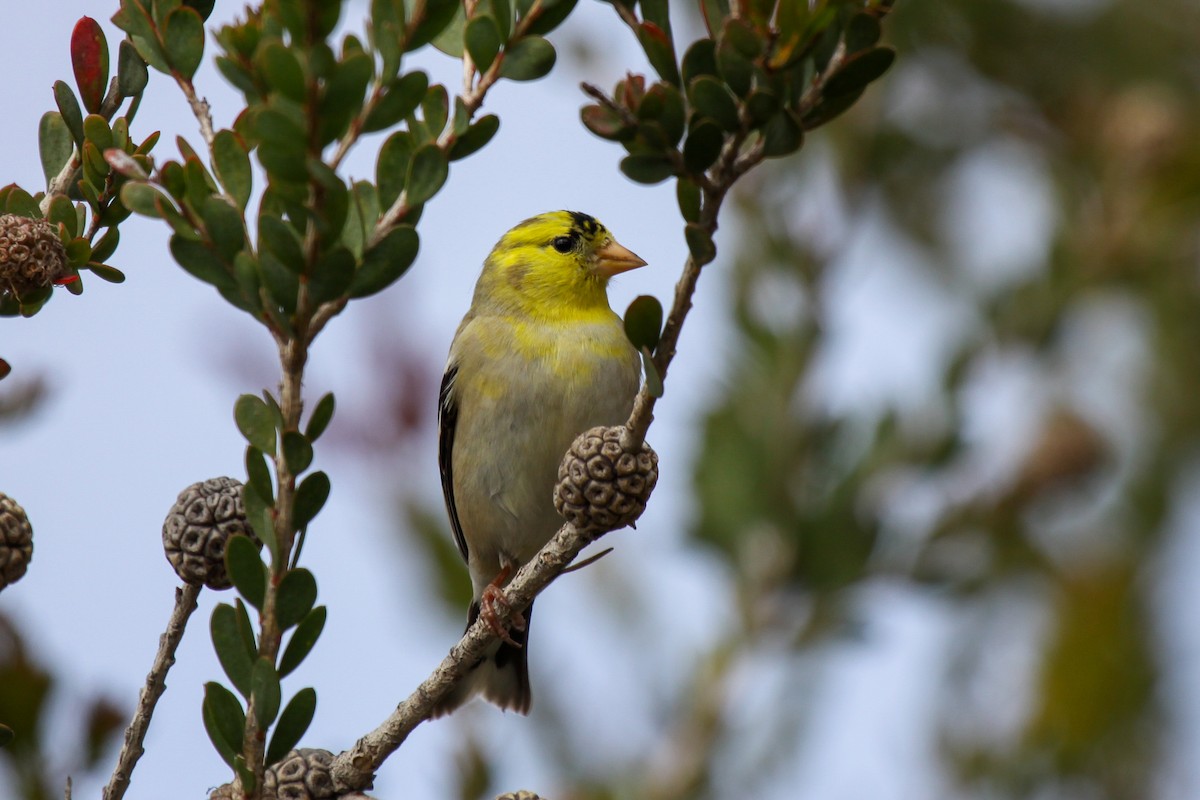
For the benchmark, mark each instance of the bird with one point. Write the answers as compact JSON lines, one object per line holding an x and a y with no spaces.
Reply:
{"x":539,"y":358}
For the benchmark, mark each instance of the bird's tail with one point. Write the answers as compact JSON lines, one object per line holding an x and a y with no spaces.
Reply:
{"x":501,"y":676}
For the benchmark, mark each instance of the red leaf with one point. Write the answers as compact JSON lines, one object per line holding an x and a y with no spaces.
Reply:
{"x":4,"y":369}
{"x":89,"y":59}
{"x":66,"y":280}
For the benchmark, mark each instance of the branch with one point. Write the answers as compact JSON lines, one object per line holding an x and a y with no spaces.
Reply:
{"x":355,"y":768}
{"x":156,"y":684}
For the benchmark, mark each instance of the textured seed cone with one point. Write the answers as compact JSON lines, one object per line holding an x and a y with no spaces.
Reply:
{"x":523,"y":794}
{"x":198,"y":528}
{"x":303,"y":774}
{"x":602,"y":487}
{"x":16,"y":541}
{"x":31,"y":255}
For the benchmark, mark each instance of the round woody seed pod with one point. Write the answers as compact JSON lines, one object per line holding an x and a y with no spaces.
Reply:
{"x":601,"y":486}
{"x":16,"y":541}
{"x":198,"y":527}
{"x":522,"y":794}
{"x":31,"y":255}
{"x":302,"y":775}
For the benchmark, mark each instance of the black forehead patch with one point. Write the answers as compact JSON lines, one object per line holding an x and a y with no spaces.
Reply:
{"x":585,"y":223}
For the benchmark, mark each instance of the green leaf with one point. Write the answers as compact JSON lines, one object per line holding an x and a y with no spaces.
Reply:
{"x":735,"y":68}
{"x":700,"y":59}
{"x":142,"y":198}
{"x":246,"y":569}
{"x":321,"y":415}
{"x":245,"y":630}
{"x":55,"y":144}
{"x":342,"y":99}
{"x":230,"y":647}
{"x":264,"y":688}
{"x":311,"y":495}
{"x":552,"y":15}
{"x":295,"y":597}
{"x":857,"y":72}
{"x":302,"y":641}
{"x":281,"y":240}
{"x":258,"y":475}
{"x":223,"y":223}
{"x":427,"y":173}
{"x":703,"y":145}
{"x":711,"y":99}
{"x":297,"y":451}
{"x":331,"y":275}
{"x":660,"y":51}
{"x":151,"y":51}
{"x":700,"y":243}
{"x":605,"y":123}
{"x":435,"y":110}
{"x":862,"y":32}
{"x":184,"y":40}
{"x":643,"y":322}
{"x":645,"y":168}
{"x":438,"y":15}
{"x":782,"y":135}
{"x":68,"y":106}
{"x":89,"y":61}
{"x":483,"y":40}
{"x":62,"y":211}
{"x":231,"y":161}
{"x":201,"y":261}
{"x":256,"y":422}
{"x":687,"y":194}
{"x":107,"y":245}
{"x":261,"y":519}
{"x":741,"y":36}
{"x":384,"y":262}
{"x":392,"y":167}
{"x":400,"y":98}
{"x":293,"y":723}
{"x":281,"y":69}
{"x":528,"y":59}
{"x":106,"y":273}
{"x":19,"y":202}
{"x":224,"y":720}
{"x":475,"y":137}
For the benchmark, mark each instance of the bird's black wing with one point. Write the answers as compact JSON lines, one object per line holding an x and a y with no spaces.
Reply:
{"x":447,"y":422}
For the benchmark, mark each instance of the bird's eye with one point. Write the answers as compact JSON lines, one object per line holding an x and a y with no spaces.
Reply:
{"x":563,"y":244}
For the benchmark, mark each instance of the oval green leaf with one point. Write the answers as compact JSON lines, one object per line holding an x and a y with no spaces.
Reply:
{"x":224,"y":720}
{"x":385,"y":262}
{"x":55,"y":144}
{"x":528,"y":59}
{"x":184,"y":40}
{"x":643,"y":322}
{"x":427,"y":173}
{"x":293,"y":723}
{"x":264,"y":689}
{"x":295,"y":597}
{"x":321,"y":415}
{"x":302,"y":641}
{"x":256,"y":422}
{"x":311,"y":495}
{"x":230,"y":647}
{"x":246,"y":569}
{"x":297,"y":451}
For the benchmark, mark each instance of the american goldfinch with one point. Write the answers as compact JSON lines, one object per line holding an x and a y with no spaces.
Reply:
{"x":539,"y":358}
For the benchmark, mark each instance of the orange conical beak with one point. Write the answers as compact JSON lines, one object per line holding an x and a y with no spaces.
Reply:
{"x":613,"y":259}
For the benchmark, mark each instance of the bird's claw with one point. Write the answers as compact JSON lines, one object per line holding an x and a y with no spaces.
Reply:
{"x":493,"y":598}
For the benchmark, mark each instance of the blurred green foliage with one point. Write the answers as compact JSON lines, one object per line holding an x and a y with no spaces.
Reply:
{"x":1101,"y":95}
